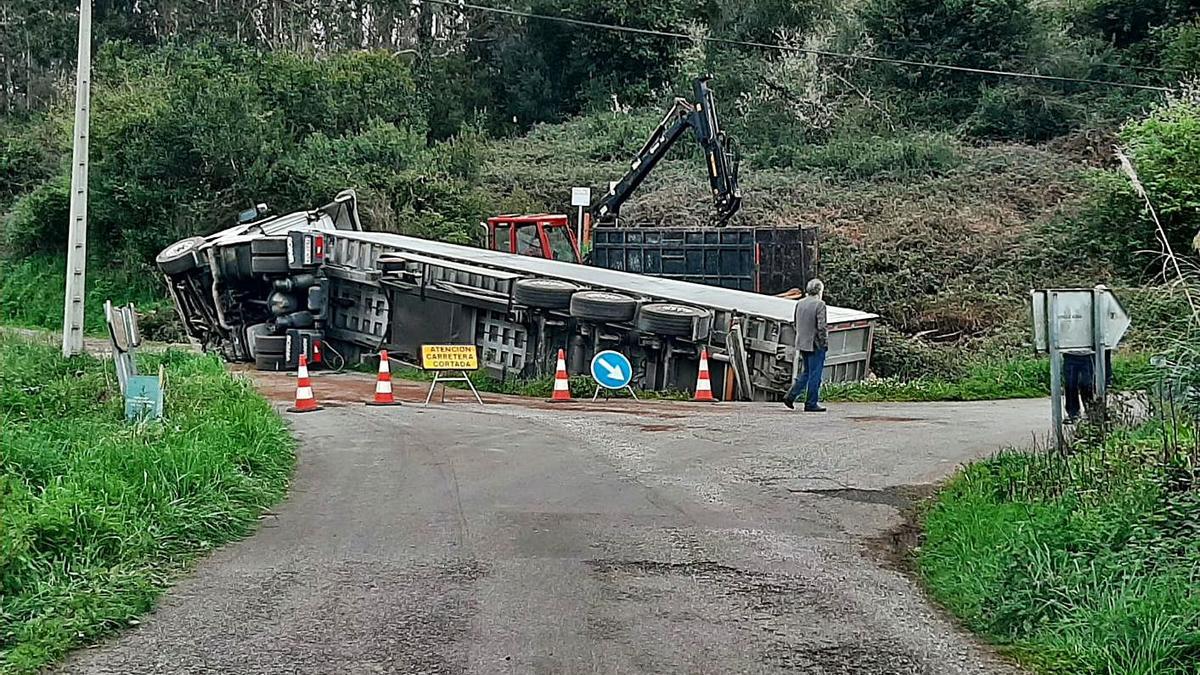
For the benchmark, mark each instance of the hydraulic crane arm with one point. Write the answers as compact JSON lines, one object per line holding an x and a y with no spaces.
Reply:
{"x":721,"y":160}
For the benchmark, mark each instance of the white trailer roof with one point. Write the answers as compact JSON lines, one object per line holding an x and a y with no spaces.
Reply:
{"x":745,"y":302}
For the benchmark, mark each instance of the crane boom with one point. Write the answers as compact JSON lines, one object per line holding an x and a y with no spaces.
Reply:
{"x":720,"y":157}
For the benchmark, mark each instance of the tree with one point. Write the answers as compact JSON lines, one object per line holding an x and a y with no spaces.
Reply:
{"x":989,"y":34}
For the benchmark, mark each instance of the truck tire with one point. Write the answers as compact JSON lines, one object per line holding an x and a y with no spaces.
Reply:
{"x":179,"y":257}
{"x":269,"y":264}
{"x":670,"y":319}
{"x":270,"y":345}
{"x":544,"y":293}
{"x":273,"y":362}
{"x":603,"y":306}
{"x":271,"y":246}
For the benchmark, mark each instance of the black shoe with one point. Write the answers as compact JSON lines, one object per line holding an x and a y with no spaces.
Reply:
{"x":790,"y":403}
{"x":816,"y":408}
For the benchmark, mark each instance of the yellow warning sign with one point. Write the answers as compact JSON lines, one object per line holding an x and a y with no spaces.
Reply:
{"x":449,"y":357}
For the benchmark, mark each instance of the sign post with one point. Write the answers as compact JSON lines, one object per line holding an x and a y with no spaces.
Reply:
{"x":450,"y":358}
{"x":581,"y":197}
{"x":612,"y":371}
{"x":1081,"y":321}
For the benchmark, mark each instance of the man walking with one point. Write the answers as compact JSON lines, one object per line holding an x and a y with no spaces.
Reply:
{"x":812,"y":342}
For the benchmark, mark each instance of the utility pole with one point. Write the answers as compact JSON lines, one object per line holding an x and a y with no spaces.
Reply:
{"x":77,"y":229}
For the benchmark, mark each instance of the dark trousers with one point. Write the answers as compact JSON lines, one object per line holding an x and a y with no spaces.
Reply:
{"x":810,"y":378}
{"x":1079,"y":380}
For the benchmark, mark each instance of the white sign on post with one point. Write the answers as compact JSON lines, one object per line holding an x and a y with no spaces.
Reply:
{"x":581,"y":196}
{"x":1074,"y":318}
{"x":1076,"y":321}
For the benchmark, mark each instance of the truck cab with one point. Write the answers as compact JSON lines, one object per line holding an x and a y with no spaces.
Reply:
{"x":541,"y":236}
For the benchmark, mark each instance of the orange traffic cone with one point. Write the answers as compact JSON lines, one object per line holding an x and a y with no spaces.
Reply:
{"x":562,"y":385}
{"x":703,"y":383}
{"x":305,"y":401}
{"x":383,"y":384}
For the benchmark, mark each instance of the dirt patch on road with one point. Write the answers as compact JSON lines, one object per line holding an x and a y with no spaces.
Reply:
{"x":884,"y":418}
{"x":895,"y":547}
{"x":351,"y":388}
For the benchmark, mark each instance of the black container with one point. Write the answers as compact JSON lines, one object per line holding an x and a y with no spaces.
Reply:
{"x":757,"y":259}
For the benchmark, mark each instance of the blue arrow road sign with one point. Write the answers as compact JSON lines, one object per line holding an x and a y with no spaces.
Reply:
{"x":611,"y":370}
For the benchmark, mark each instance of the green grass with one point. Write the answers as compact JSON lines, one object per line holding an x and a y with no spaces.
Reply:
{"x":97,"y":515}
{"x":31,"y":295}
{"x":1080,"y":563}
{"x":988,"y":380}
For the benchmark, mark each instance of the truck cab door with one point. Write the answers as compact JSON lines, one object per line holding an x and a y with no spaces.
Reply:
{"x":558,"y":240}
{"x":529,"y":240}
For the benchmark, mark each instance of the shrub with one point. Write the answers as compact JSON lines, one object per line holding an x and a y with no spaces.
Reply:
{"x":1016,"y":112}
{"x":972,"y":33}
{"x":1182,"y":49}
{"x":38,"y":220}
{"x":900,"y":156}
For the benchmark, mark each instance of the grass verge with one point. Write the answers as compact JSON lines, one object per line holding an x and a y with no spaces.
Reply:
{"x":991,"y":380}
{"x":1086,"y":562}
{"x":97,"y":515}
{"x":31,"y":295}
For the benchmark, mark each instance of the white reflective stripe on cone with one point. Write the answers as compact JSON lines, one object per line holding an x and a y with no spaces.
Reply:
{"x":383,"y":387}
{"x":303,"y":393}
{"x":383,"y":366}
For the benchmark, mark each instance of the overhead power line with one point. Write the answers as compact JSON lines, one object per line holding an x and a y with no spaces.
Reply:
{"x":1083,"y":60}
{"x":787,"y":48}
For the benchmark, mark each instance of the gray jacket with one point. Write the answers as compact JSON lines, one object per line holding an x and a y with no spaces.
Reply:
{"x":812,"y":329}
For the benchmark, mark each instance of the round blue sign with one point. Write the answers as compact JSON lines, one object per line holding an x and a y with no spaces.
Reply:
{"x":612,"y":370}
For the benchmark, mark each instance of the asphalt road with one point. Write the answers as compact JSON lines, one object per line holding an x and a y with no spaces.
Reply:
{"x":667,"y":538}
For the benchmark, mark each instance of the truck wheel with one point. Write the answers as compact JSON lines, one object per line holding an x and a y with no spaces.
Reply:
{"x":272,"y":246}
{"x":275,"y":362}
{"x":544,"y":293}
{"x":602,"y":306}
{"x":269,"y":264}
{"x":670,"y":319}
{"x":270,"y":345}
{"x":179,"y":257}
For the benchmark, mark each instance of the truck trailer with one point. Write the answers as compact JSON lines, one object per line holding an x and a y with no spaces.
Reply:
{"x":316,"y":283}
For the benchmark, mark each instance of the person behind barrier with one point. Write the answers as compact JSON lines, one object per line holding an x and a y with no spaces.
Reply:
{"x":1079,"y":380}
{"x":812,"y":343}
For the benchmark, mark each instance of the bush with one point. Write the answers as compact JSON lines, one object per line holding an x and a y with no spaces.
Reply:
{"x":900,"y":156}
{"x":1022,"y":113}
{"x":973,"y":33}
{"x":39,"y":220}
{"x":898,"y":356}
{"x":1182,"y":48}
{"x":30,"y":152}
{"x":1127,"y":22}
{"x":1114,"y":226}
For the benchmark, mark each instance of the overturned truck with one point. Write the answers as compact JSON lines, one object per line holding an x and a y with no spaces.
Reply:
{"x":315,"y":283}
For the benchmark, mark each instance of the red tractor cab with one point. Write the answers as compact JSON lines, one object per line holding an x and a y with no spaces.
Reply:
{"x":541,"y":236}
